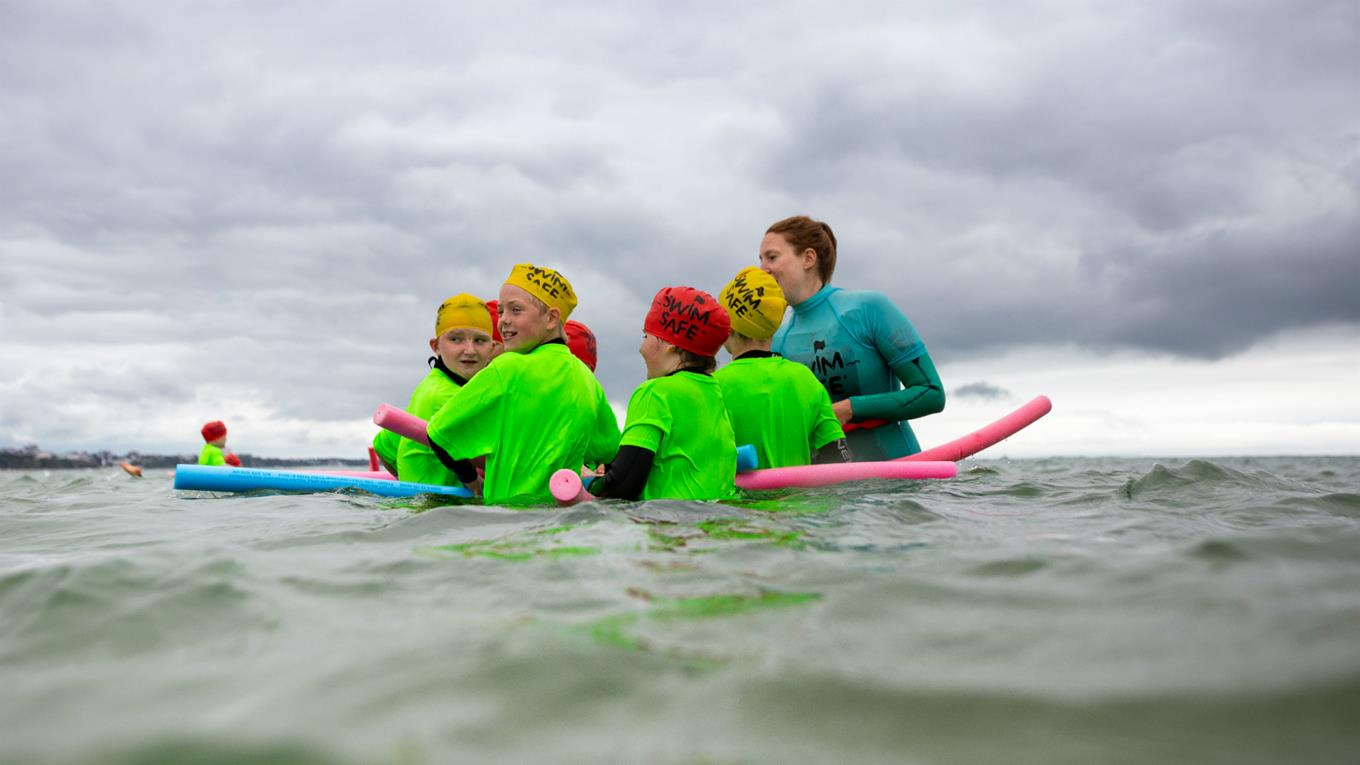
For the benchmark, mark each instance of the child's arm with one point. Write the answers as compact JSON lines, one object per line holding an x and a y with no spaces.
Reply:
{"x":833,"y":451}
{"x":604,"y":437}
{"x":626,"y":476}
{"x":464,"y":469}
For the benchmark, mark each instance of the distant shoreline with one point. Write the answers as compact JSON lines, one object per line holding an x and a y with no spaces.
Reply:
{"x":19,"y":461}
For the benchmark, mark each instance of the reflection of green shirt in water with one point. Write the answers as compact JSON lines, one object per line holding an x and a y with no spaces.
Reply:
{"x":682,"y":419}
{"x":779,"y":406}
{"x":531,"y":414}
{"x":211,"y":455}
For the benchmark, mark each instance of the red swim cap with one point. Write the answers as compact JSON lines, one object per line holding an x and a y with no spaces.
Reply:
{"x":581,"y":341}
{"x":214,"y":430}
{"x":494,"y":307}
{"x":690,"y":319}
{"x":233,"y":460}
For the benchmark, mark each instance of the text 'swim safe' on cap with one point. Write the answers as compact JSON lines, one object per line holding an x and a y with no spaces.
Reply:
{"x":755,"y":303}
{"x":688,"y":318}
{"x":546,"y":285}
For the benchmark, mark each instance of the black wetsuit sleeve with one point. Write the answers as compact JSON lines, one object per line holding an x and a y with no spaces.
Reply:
{"x":627,"y":474}
{"x":833,"y":451}
{"x":464,"y":469}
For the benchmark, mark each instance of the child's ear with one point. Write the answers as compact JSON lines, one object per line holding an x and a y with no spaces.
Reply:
{"x":434,"y":345}
{"x":556,"y":313}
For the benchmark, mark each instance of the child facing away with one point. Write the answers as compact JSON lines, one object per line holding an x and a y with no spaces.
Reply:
{"x":581,"y":342}
{"x":215,"y":438}
{"x":677,"y":442}
{"x":774,"y":403}
{"x":537,"y":409}
{"x":462,"y":347}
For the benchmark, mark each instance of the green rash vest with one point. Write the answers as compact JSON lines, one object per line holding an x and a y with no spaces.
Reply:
{"x":211,"y":455}
{"x":681,"y":417}
{"x":415,"y":461}
{"x":385,"y":445}
{"x":530,"y":414}
{"x":779,"y":406}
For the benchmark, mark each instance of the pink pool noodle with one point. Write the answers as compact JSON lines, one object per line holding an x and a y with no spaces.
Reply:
{"x":984,"y":437}
{"x":398,"y":421}
{"x":809,"y":476}
{"x":566,"y":487}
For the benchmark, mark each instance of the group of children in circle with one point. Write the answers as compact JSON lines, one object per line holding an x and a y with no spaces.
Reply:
{"x":512,"y":383}
{"x":511,"y":396}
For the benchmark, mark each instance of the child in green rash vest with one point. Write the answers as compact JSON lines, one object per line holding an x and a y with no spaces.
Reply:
{"x":776,"y":404}
{"x":536,"y":409}
{"x":462,"y":345}
{"x":677,"y":442}
{"x":215,"y":436}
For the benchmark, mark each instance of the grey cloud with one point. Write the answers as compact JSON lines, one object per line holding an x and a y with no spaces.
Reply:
{"x":258,"y":197}
{"x":980,"y":389}
{"x":1176,"y":193}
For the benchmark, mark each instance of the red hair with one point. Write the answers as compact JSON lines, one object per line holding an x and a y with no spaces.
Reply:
{"x":805,"y":233}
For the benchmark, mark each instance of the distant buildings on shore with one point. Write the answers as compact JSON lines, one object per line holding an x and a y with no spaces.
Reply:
{"x":31,"y":457}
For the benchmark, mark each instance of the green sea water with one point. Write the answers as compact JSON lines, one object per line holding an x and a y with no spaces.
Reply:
{"x":1029,"y":611}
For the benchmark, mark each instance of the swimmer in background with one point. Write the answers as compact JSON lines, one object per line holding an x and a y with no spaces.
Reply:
{"x":215,"y":435}
{"x":775,"y":404}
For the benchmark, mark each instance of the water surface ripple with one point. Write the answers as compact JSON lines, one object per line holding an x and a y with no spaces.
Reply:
{"x":1029,"y":611}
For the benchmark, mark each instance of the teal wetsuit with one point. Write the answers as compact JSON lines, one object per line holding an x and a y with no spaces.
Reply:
{"x":861,"y":347}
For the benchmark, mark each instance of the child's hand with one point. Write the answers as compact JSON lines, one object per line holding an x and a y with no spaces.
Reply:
{"x":476,"y":486}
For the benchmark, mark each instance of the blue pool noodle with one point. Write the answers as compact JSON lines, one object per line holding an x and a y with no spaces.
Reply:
{"x":215,"y":478}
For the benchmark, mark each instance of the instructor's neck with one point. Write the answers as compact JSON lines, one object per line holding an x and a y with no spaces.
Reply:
{"x":801,"y":292}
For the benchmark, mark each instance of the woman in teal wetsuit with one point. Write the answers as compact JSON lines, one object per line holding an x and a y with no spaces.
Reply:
{"x":862,"y":348}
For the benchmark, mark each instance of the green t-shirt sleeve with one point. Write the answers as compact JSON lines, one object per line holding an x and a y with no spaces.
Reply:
{"x":467,"y":423}
{"x":825,"y":427}
{"x":649,"y":420}
{"x":604,"y":438}
{"x":385,"y":445}
{"x":416,"y":463}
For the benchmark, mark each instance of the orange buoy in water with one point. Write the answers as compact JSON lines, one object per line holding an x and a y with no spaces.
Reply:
{"x":131,"y":469}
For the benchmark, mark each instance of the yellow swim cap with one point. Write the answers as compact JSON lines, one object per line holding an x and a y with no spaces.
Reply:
{"x":755,"y":303}
{"x":462,"y":311}
{"x":546,"y":285}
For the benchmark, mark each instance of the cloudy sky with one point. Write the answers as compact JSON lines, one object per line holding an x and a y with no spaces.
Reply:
{"x":250,"y":210}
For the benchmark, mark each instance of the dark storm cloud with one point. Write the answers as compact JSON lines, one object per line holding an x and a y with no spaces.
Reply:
{"x":980,"y":389}
{"x":1182,"y":182}
{"x":259,"y":198}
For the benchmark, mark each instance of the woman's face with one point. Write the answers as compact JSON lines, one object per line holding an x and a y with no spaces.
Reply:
{"x":796,"y":272}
